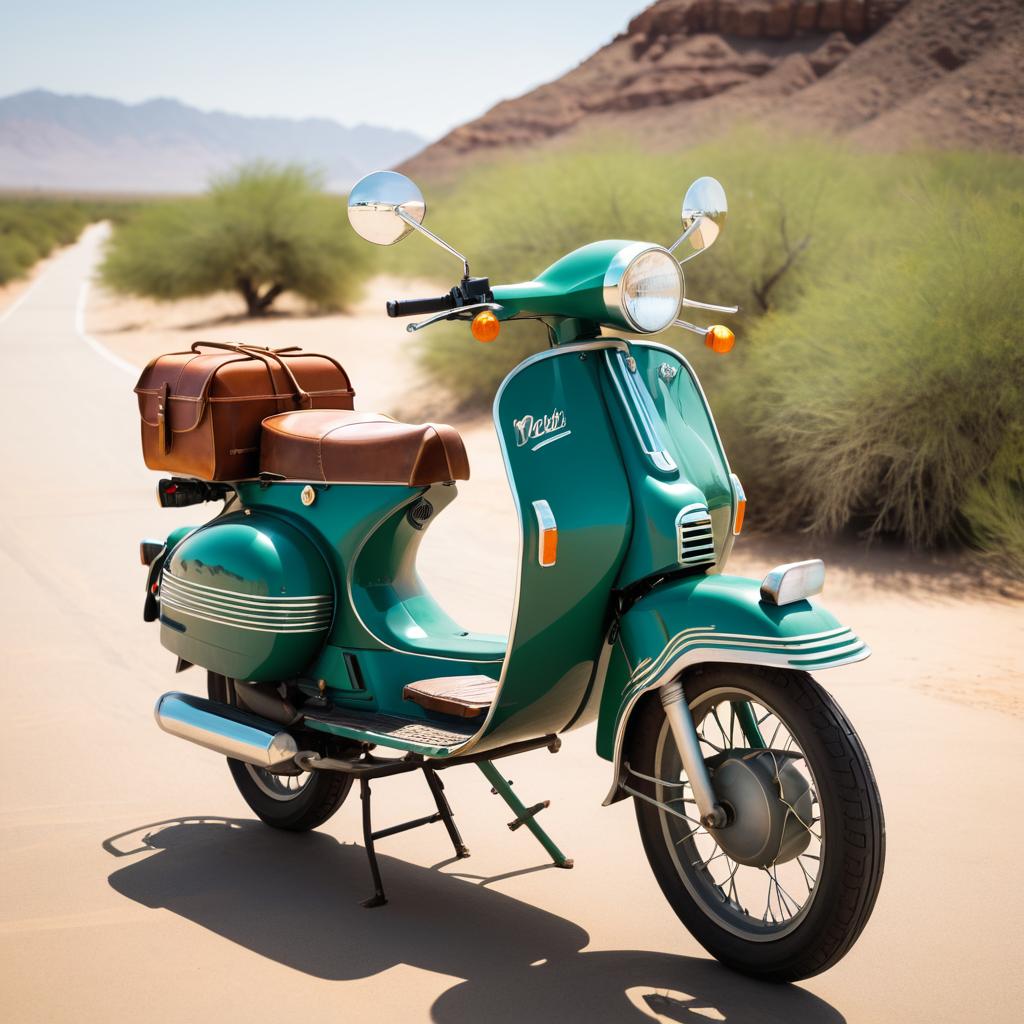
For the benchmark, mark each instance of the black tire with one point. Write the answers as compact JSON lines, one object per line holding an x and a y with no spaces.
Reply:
{"x":309,"y":807}
{"x":853,"y":844}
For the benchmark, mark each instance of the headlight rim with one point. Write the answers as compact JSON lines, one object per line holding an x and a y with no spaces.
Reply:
{"x":616,"y":272}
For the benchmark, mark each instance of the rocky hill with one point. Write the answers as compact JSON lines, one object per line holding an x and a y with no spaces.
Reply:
{"x":50,"y":141}
{"x":889,"y":72}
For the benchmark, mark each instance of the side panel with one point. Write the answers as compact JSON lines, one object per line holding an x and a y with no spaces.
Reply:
{"x":560,"y":447}
{"x":713,"y":618}
{"x":248,"y":596}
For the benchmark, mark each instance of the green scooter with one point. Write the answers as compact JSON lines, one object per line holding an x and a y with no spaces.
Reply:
{"x":755,"y":799}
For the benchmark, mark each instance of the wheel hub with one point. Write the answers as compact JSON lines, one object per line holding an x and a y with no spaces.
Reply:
{"x":769,"y":804}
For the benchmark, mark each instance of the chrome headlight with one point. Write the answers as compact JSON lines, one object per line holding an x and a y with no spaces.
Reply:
{"x":643,"y":288}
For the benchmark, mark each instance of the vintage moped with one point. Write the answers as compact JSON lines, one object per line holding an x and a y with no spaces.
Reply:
{"x":756,"y":803}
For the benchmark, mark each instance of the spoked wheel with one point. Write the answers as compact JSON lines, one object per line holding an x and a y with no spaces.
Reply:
{"x":784,"y":889}
{"x":297,"y":802}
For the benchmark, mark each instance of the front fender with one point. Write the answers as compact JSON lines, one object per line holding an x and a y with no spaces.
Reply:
{"x":714,"y":618}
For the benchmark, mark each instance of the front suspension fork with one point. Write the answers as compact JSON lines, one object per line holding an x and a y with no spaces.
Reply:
{"x":680,"y":721}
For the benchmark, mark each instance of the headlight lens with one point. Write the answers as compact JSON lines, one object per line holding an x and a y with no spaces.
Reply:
{"x":651,"y":290}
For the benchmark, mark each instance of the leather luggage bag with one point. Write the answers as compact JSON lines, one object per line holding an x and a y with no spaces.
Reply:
{"x":201,"y":411}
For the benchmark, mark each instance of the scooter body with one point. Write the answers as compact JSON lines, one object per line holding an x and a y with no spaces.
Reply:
{"x":627,"y":513}
{"x":616,"y":438}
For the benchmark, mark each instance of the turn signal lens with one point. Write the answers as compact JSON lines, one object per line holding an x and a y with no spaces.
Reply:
{"x":741,"y":503}
{"x":741,"y":511}
{"x":485,"y":326}
{"x":547,"y":543}
{"x":719,"y":339}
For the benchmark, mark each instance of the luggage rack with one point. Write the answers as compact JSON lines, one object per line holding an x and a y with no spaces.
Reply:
{"x":367,"y":767}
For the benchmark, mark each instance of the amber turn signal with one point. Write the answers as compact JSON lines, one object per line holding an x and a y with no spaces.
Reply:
{"x":485,"y":326}
{"x":719,"y":339}
{"x":741,"y":513}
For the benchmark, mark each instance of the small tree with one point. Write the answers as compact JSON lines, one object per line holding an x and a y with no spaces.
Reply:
{"x":261,"y":231}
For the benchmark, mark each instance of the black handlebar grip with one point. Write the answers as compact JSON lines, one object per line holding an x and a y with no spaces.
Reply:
{"x":414,"y":307}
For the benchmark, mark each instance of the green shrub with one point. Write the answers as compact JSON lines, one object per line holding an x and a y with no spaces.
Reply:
{"x":878,"y":379}
{"x":31,"y":228}
{"x":789,"y":213}
{"x":885,"y":396}
{"x":260,"y":231}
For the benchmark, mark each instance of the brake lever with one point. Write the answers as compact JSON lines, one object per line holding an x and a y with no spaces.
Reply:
{"x":710,"y":306}
{"x":453,"y":314}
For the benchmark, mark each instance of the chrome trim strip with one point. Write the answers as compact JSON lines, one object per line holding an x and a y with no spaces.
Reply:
{"x":229,"y":615}
{"x":168,"y":585}
{"x":258,"y":598}
{"x":639,"y":410}
{"x":216,"y":620}
{"x":697,"y":651}
{"x":548,"y":440}
{"x":696,"y":380}
{"x":800,"y":644}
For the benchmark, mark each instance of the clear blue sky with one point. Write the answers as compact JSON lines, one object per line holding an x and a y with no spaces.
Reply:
{"x":426,"y":66}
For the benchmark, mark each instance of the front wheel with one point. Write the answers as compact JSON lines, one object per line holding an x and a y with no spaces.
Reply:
{"x":784,"y":889}
{"x":296,"y":802}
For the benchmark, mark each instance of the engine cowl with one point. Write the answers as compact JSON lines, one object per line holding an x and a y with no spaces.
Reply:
{"x":248,"y":596}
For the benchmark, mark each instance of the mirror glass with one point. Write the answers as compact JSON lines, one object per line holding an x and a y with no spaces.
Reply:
{"x":704,"y":209}
{"x":374,"y":202}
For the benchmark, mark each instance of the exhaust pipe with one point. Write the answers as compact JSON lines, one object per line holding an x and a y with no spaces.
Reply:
{"x":228,"y":730}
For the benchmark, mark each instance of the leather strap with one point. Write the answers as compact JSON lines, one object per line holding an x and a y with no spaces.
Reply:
{"x":276,"y":355}
{"x":163,"y":429}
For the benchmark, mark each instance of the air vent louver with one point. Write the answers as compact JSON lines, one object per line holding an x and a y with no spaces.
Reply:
{"x":696,"y":537}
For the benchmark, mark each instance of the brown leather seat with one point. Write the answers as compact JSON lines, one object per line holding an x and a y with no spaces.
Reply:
{"x":342,"y":446}
{"x":464,"y":696}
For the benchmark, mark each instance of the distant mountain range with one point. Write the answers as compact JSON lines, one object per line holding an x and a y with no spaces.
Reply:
{"x":51,"y":141}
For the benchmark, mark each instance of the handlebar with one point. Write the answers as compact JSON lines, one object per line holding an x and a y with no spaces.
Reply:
{"x":414,"y":307}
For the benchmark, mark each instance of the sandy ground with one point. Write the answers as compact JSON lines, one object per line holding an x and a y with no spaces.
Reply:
{"x":137,"y":885}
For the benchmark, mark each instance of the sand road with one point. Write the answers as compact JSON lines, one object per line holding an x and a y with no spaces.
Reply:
{"x":137,"y":886}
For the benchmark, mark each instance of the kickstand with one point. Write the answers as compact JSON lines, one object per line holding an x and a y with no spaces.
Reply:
{"x":444,"y":814}
{"x":524,"y":815}
{"x":444,"y":809}
{"x":378,"y":899}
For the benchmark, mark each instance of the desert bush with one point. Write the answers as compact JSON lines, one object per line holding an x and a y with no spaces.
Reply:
{"x":31,"y":227}
{"x":877,"y":383}
{"x":261,"y":231}
{"x":791,"y":208}
{"x":889,"y":398}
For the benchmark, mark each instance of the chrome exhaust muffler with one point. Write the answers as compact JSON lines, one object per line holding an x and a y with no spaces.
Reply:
{"x":228,"y":730}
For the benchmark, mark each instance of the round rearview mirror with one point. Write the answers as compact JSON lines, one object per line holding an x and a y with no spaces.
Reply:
{"x":704,"y":210}
{"x":381,"y":205}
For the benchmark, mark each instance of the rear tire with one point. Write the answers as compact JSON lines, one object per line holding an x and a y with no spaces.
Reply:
{"x":296,"y":804}
{"x":848,"y":817}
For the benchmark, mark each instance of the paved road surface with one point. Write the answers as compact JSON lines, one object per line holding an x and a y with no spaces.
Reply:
{"x":137,"y":887}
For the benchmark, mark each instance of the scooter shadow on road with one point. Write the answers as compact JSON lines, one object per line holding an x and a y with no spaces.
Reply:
{"x":295,"y":900}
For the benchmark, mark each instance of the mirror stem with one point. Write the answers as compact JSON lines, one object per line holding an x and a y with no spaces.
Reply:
{"x":711,"y":306}
{"x":412,"y":222}
{"x":683,"y":237}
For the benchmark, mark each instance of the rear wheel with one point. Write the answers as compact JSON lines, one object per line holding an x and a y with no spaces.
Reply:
{"x":296,"y":802}
{"x":783,"y":890}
